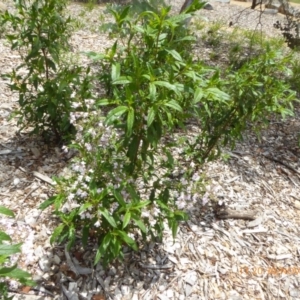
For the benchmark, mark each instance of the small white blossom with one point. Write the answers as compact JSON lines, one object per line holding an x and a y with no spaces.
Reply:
{"x":65,"y":149}
{"x":71,"y":197}
{"x":196,"y":177}
{"x":75,"y":104}
{"x":88,"y":146}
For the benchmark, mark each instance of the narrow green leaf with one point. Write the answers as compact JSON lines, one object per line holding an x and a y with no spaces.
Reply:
{"x":119,"y":198}
{"x":6,"y":211}
{"x":10,"y":249}
{"x":173,"y":104}
{"x":16,"y":273}
{"x":166,"y":84}
{"x":128,"y":240}
{"x":174,"y":228}
{"x":116,"y":112}
{"x":126,"y":219}
{"x":4,"y":237}
{"x":103,"y":102}
{"x":162,"y":205}
{"x":198,"y":95}
{"x":151,"y":116}
{"x":218,"y":93}
{"x":108,"y":217}
{"x":48,"y":202}
{"x":147,"y":76}
{"x":6,"y":270}
{"x":122,"y":80}
{"x":130,"y":121}
{"x":175,"y":54}
{"x":180,"y":215}
{"x":141,"y":204}
{"x":95,"y":56}
{"x":124,"y":13}
{"x":102,"y":248}
{"x":140,"y":224}
{"x":57,"y":232}
{"x":115,"y":71}
{"x":152,"y":91}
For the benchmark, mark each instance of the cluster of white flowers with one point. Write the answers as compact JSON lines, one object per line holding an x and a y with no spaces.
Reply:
{"x":89,"y":103}
{"x":87,"y":214}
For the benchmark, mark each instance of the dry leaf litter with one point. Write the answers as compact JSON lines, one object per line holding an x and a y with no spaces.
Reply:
{"x":211,"y":258}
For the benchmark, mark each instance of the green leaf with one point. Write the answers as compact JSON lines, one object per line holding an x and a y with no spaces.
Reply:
{"x":48,"y":202}
{"x":162,"y":205}
{"x":122,"y":80}
{"x":166,"y":84}
{"x":4,"y":237}
{"x":6,"y":270}
{"x":115,"y":113}
{"x":175,"y":54}
{"x":128,"y":240}
{"x":126,"y":219}
{"x":173,"y":104}
{"x":10,"y":249}
{"x":108,"y":217}
{"x":174,"y":227}
{"x":140,"y":204}
{"x":102,"y":248}
{"x":151,"y":116}
{"x":198,"y":95}
{"x":119,"y":198}
{"x":6,"y":211}
{"x":115,"y":71}
{"x":139,"y":223}
{"x":125,"y":12}
{"x":95,"y":56}
{"x":103,"y":102}
{"x":130,"y":121}
{"x":57,"y":232}
{"x":152,"y":91}
{"x":218,"y":93}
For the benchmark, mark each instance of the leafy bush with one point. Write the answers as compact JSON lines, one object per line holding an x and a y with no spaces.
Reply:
{"x":134,"y":172}
{"x":46,"y":86}
{"x":6,"y":251}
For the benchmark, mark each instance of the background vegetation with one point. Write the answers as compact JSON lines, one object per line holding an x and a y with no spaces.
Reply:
{"x":132,"y":140}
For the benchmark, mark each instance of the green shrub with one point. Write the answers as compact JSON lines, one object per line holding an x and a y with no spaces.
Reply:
{"x":46,"y":86}
{"x":124,"y":180}
{"x":6,"y":251}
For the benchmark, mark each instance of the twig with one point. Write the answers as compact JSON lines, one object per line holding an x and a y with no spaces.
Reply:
{"x":282,"y":163}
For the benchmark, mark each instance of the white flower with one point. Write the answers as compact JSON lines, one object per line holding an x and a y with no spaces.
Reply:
{"x":183,"y":181}
{"x":65,"y":149}
{"x":181,"y":197}
{"x":97,"y":224}
{"x":71,"y":197}
{"x":196,"y":177}
{"x":75,"y":104}
{"x":180,"y":205}
{"x":88,"y":146}
{"x":92,"y":132}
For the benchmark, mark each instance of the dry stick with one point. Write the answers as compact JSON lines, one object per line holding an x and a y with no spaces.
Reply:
{"x":233,"y":214}
{"x":282,"y":163}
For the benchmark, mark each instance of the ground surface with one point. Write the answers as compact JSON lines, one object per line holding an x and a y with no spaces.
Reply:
{"x":211,"y":258}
